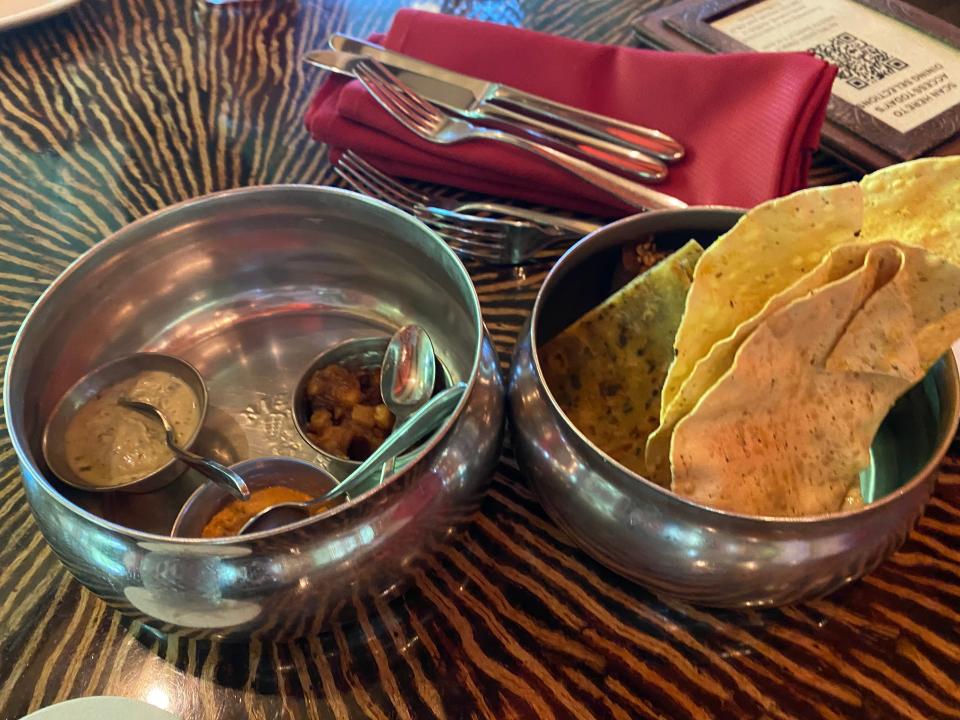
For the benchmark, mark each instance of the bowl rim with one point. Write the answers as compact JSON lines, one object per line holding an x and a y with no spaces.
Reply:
{"x":579,"y":252}
{"x":123,"y":235}
{"x":203,"y":400}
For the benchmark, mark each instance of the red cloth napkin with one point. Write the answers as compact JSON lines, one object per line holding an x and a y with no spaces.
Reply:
{"x":749,"y":121}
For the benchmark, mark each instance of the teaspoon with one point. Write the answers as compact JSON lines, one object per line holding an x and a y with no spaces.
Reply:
{"x":220,"y":474}
{"x":422,"y":423}
{"x":407,"y":377}
{"x":408,"y":372}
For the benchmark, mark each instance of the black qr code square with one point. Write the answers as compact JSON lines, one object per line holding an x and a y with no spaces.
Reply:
{"x":860,"y":63}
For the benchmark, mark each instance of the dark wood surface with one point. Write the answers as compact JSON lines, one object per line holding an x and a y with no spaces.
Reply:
{"x":120,"y":107}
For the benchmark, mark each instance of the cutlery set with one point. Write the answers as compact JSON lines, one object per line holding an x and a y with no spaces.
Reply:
{"x":446,"y":107}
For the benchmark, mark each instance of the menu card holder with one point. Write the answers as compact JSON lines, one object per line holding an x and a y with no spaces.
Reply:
{"x":897,"y":93}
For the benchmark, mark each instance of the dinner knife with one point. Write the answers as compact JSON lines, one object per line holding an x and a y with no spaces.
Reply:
{"x":484,"y":96}
{"x":639,"y":164}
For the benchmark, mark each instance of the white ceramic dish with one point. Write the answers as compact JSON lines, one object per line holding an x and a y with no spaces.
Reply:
{"x":101,"y":708}
{"x":14,"y":13}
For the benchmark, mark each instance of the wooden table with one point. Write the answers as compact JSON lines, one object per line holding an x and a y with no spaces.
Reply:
{"x":120,"y":107}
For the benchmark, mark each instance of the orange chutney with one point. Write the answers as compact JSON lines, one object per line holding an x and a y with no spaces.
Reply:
{"x":228,"y":521}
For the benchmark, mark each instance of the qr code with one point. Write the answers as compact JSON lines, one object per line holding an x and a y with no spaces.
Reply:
{"x":860,"y":63}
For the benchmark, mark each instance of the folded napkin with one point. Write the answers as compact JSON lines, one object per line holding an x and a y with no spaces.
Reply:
{"x":749,"y":121}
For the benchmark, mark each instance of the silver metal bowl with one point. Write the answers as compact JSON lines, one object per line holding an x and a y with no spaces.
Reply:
{"x":247,"y":286}
{"x":353,"y":353}
{"x":677,"y":547}
{"x":207,"y":500}
{"x":108,"y":374}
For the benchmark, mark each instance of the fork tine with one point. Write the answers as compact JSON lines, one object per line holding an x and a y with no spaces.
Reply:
{"x":355,"y":183}
{"x":401,"y":92}
{"x":392,"y":82}
{"x":388,"y":101}
{"x":474,"y":254}
{"x":393,"y":101}
{"x":363,"y":166}
{"x":386,"y":188}
{"x":492,"y":237}
{"x":489,"y":225}
{"x":428,"y":109}
{"x":362,"y":184}
{"x":474,"y":238}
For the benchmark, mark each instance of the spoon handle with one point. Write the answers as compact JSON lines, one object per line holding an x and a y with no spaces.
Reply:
{"x":421,"y":423}
{"x":212,"y":470}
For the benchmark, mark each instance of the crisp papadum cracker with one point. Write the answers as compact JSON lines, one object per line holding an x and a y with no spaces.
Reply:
{"x":915,"y":203}
{"x":607,"y":368}
{"x":907,"y":325}
{"x":786,"y":431}
{"x":769,"y":249}
{"x":838,"y":263}
{"x":777,"y":435}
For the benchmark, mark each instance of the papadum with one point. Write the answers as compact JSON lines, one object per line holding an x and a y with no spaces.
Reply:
{"x":606,"y":370}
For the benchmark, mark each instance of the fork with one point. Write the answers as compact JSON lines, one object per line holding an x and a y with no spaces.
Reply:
{"x":495,"y":242}
{"x":387,"y":188}
{"x":430,"y":123}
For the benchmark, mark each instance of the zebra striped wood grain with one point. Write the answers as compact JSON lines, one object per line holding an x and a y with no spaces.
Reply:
{"x":120,"y":107}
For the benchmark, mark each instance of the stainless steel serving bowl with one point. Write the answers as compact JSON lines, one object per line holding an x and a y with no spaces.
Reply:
{"x":248,"y":286}
{"x":677,"y":547}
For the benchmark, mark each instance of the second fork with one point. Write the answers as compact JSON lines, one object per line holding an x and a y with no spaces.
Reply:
{"x":488,"y":240}
{"x":413,"y":201}
{"x":430,"y":123}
